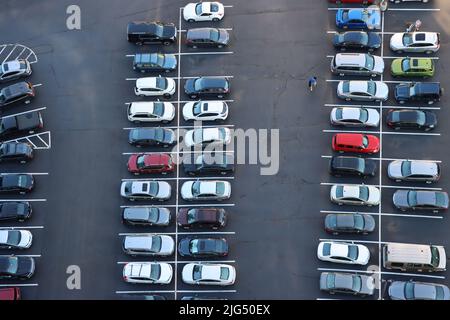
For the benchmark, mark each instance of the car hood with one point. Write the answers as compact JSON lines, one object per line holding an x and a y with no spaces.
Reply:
{"x":189,"y":138}
{"x":374,"y":195}
{"x":169,"y":31}
{"x":396,"y":41}
{"x":363,"y":255}
{"x":397,"y":290}
{"x":224,"y":36}
{"x":170,"y":61}
{"x":187,"y":272}
{"x":396,"y":66}
{"x":25,"y":266}
{"x":374,"y":40}
{"x":374,"y":117}
{"x":188,"y":110}
{"x":164,"y":216}
{"x":367,"y":285}
{"x":164,"y":190}
{"x":189,"y":86}
{"x":189,"y":10}
{"x":183,"y":246}
{"x":431,"y":119}
{"x":26,"y":239}
{"x":402,"y":90}
{"x":395,"y":169}
{"x":400,"y":198}
{"x":186,"y":190}
{"x":166,"y":273}
{"x":167,"y":244}
{"x":382,"y":90}
{"x":378,"y":65}
{"x":369,"y":223}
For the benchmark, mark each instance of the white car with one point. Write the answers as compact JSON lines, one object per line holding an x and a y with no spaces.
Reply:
{"x":203,"y":11}
{"x":205,"y":111}
{"x":144,"y":111}
{"x":14,"y":69}
{"x":427,"y":42}
{"x":207,"y":136}
{"x":363,"y":90}
{"x":145,"y":190}
{"x":209,"y":274}
{"x":206,"y":190}
{"x":155,"y":86}
{"x":148,"y":272}
{"x":15,"y":239}
{"x":355,"y":195}
{"x":340,"y":252}
{"x":354,"y":117}
{"x":148,"y":245}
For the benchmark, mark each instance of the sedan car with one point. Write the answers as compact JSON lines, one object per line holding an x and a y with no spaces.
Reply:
{"x":420,"y":200}
{"x":206,"y":190}
{"x":334,"y":282}
{"x":21,"y":91}
{"x":207,"y":37}
{"x":356,"y":40}
{"x":150,"y":112}
{"x":354,"y":117}
{"x":148,"y":245}
{"x":205,"y":111}
{"x":411,"y":119}
{"x":417,"y":42}
{"x":15,"y":239}
{"x":412,"y":67}
{"x":151,"y":32}
{"x":150,"y":163}
{"x":146,"y":216}
{"x":349,"y":223}
{"x":217,"y":87}
{"x":146,"y":190}
{"x":16,"y":183}
{"x":148,"y":272}
{"x":154,"y":62}
{"x":347,"y":166}
{"x":367,"y":18}
{"x":202,"y":217}
{"x":203,"y":11}
{"x":205,"y":164}
{"x":16,"y":151}
{"x":140,"y":137}
{"x":203,"y":247}
{"x":155,"y":86}
{"x":16,"y":267}
{"x":355,"y":142}
{"x":355,"y":195}
{"x":363,"y":90}
{"x":414,"y":170}
{"x":207,"y":136}
{"x":14,"y":69}
{"x":413,"y":290}
{"x":209,"y":274}
{"x":15,"y":210}
{"x":341,"y":252}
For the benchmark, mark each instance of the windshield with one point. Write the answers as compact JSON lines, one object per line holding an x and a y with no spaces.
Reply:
{"x":14,"y":237}
{"x":339,"y":191}
{"x":346,"y":86}
{"x":158,"y":109}
{"x":197,"y":272}
{"x":363,"y":115}
{"x":198,"y":9}
{"x":159,"y":30}
{"x":12,"y":265}
{"x":439,"y":293}
{"x":364,"y":193}
{"x":140,"y":162}
{"x":191,"y":216}
{"x":359,"y":222}
{"x":198,"y":85}
{"x":224,"y":273}
{"x":161,"y":83}
{"x":353,"y":252}
{"x":409,"y":291}
{"x":214,"y":35}
{"x":435,"y":257}
{"x":370,"y":62}
{"x":330,"y":280}
{"x":412,"y":199}
{"x":193,"y":246}
{"x":357,"y":283}
{"x":365,"y":141}
{"x":197,"y":109}
{"x":406,"y":64}
{"x":156,"y":244}
{"x":196,"y":188}
{"x":406,"y":168}
{"x":220,"y":188}
{"x":421,"y":118}
{"x":407,"y":39}
{"x":371,"y":88}
{"x":154,"y":187}
{"x":159,"y":135}
{"x":155,"y":271}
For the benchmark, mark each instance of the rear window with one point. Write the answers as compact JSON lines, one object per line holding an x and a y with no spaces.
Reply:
{"x":224,"y":273}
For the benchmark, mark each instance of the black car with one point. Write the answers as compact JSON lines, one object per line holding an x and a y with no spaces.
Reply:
{"x":148,"y":62}
{"x":201,"y":164}
{"x":357,"y":40}
{"x":213,"y":218}
{"x":349,"y":223}
{"x":203,"y":247}
{"x":16,"y":151}
{"x":10,"y":210}
{"x":146,"y":216}
{"x":429,"y":92}
{"x":341,"y":165}
{"x":22,"y":123}
{"x":207,"y":37}
{"x":411,"y":119}
{"x":16,"y":182}
{"x":13,"y":267}
{"x":141,"y":32}
{"x":151,"y":137}
{"x":16,"y":92}
{"x":204,"y":87}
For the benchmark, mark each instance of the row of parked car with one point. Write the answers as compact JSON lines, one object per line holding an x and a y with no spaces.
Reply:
{"x":404,"y":257}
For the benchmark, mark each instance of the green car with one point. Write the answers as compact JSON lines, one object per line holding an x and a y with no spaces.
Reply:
{"x":412,"y":67}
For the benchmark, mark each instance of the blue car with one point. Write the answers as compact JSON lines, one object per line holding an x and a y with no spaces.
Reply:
{"x":358,"y":19}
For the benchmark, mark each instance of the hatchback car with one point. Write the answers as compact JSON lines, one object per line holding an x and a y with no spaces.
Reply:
{"x":427,"y":92}
{"x":16,"y":183}
{"x":356,"y":40}
{"x":357,"y":64}
{"x":334,"y":282}
{"x":354,"y":117}
{"x":355,"y":195}
{"x":363,"y":90}
{"x":15,"y":210}
{"x":420,"y":200}
{"x":146,"y":216}
{"x":417,"y":42}
{"x":205,"y":111}
{"x":207,"y":37}
{"x":412,"y":67}
{"x":207,"y":87}
{"x":15,"y":239}
{"x":154,"y":62}
{"x":203,"y":217}
{"x":207,"y":164}
{"x":348,"y":166}
{"x":203,"y":247}
{"x":150,"y":163}
{"x":206,"y":190}
{"x":414,"y":170}
{"x":141,"y":137}
{"x":16,"y":151}
{"x":16,"y":92}
{"x":341,"y":252}
{"x":151,"y":32}
{"x":355,"y":142}
{"x":147,"y":272}
{"x":148,"y":245}
{"x":411,"y":119}
{"x":413,"y":290}
{"x":14,"y":69}
{"x":155,"y":87}
{"x":366,"y":18}
{"x":203,"y":11}
{"x":209,"y":274}
{"x":16,"y":267}
{"x":349,"y":223}
{"x":207,"y":137}
{"x":146,"y":190}
{"x":150,"y":112}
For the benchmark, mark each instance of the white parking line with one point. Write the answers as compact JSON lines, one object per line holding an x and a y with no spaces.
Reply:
{"x":353,"y":241}
{"x":183,"y":127}
{"x":181,"y":178}
{"x":37,"y":85}
{"x":25,"y":112}
{"x":36,"y":135}
{"x":21,"y":227}
{"x":19,"y":285}
{"x":382,"y":272}
{"x":182,"y":262}
{"x":174,"y":152}
{"x":22,"y":255}
{"x":390,"y":159}
{"x":215,"y":205}
{"x":19,"y":200}
{"x":32,"y":173}
{"x":193,"y":53}
{"x":123,"y":234}
{"x":332,"y":105}
{"x":144,"y":291}
{"x":183,"y":78}
{"x":207,"y":291}
{"x":6,"y":59}
{"x":414,"y":9}
{"x":186,"y":101}
{"x":382,"y":186}
{"x":383,"y":214}
{"x":185,"y":30}
{"x":385,"y":132}
{"x":389,"y":57}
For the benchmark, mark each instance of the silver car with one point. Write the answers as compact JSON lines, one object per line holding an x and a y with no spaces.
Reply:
{"x":148,"y":245}
{"x":337,"y":282}
{"x":354,"y":117}
{"x":412,"y":290}
{"x":146,"y":190}
{"x":355,"y":195}
{"x":414,"y":170}
{"x":15,"y":69}
{"x":418,"y":42}
{"x":359,"y":64}
{"x":363,"y":90}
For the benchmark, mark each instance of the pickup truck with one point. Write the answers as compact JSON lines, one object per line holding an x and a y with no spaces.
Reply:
{"x":22,"y":123}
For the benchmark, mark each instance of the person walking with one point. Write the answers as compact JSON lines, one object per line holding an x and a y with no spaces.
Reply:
{"x":417,"y":25}
{"x":312,"y":83}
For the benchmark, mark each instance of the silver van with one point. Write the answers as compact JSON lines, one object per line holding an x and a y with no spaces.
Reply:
{"x":414,"y":257}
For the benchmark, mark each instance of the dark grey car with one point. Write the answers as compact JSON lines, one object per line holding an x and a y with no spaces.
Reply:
{"x":411,"y":290}
{"x":207,"y":37}
{"x":147,"y":62}
{"x":333,"y":282}
{"x":420,"y":200}
{"x":146,"y":216}
{"x":349,"y":223}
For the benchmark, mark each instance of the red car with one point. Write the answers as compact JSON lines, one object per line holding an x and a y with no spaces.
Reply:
{"x":353,"y":1}
{"x":9,"y":294}
{"x":355,"y":142}
{"x":150,"y":163}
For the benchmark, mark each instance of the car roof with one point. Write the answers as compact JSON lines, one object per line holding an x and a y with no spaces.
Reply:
{"x":424,"y":291}
{"x":211,"y":272}
{"x":350,"y":191}
{"x":424,"y":167}
{"x":212,"y":106}
{"x":353,"y":59}
{"x":349,"y":138}
{"x":345,"y":220}
{"x":351,"y":113}
{"x":147,"y":82}
{"x":208,"y":187}
{"x":358,"y":86}
{"x":214,"y":82}
{"x":425,"y":37}
{"x":355,"y":14}
{"x":143,"y":106}
{"x":420,"y":63}
{"x":408,"y":253}
{"x":343,"y":281}
{"x":138,"y":242}
{"x":200,"y":33}
{"x":339,"y":249}
{"x":427,"y":87}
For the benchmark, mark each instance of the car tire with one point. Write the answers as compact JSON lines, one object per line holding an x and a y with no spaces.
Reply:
{"x":131,"y":199}
{"x":166,"y":43}
{"x":399,"y":51}
{"x":220,"y":96}
{"x":193,"y":96}
{"x":167,"y":70}
{"x":215,"y":20}
{"x":191,"y":20}
{"x":194,"y":47}
{"x":167,"y":96}
{"x":136,"y":121}
{"x":428,"y":52}
{"x":219,"y":46}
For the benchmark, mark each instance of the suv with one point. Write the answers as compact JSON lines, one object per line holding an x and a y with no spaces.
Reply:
{"x":25,"y":122}
{"x":140,"y":32}
{"x":202,"y":164}
{"x":207,"y":37}
{"x":429,"y":92}
{"x":359,"y":64}
{"x":19,"y":211}
{"x":412,"y":67}
{"x":417,"y":42}
{"x":16,"y":182}
{"x":414,"y":170}
{"x":151,"y":137}
{"x":217,"y":87}
{"x":155,"y":86}
{"x":16,"y":92}
{"x":146,"y":216}
{"x":148,"y":62}
{"x":12,"y":70}
{"x":16,"y":151}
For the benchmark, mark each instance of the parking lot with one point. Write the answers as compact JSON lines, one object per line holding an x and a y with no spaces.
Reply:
{"x":275,"y":222}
